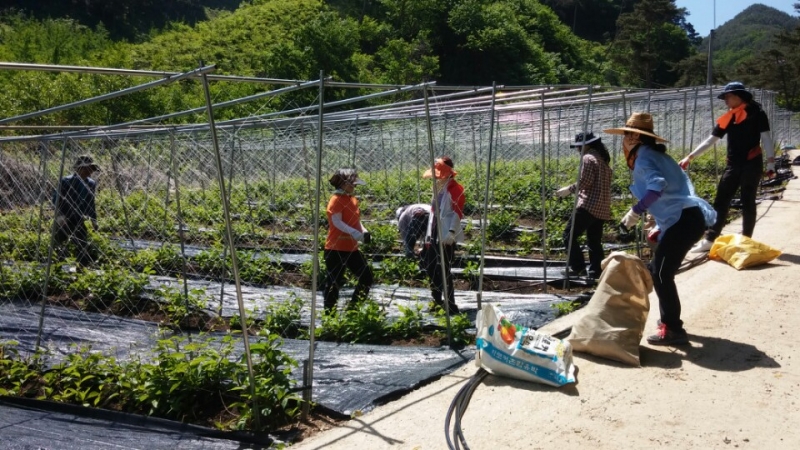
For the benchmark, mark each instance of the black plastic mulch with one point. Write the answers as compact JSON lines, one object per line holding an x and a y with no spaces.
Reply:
{"x":347,"y":377}
{"x":39,"y":425}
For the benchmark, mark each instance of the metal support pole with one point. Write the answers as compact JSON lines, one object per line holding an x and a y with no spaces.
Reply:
{"x":50,"y":249}
{"x":577,"y":179}
{"x":234,"y":263}
{"x":437,"y":216}
{"x":544,"y":196}
{"x":485,"y":214}
{"x":181,"y":237}
{"x":88,"y":101}
{"x":309,"y":378}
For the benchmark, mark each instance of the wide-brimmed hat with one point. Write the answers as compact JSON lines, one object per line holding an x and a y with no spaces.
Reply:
{"x":443,"y":168}
{"x":85,"y":161}
{"x":400,"y":211}
{"x":638,"y":122}
{"x":345,"y":175}
{"x":582,"y":139}
{"x":736,"y":87}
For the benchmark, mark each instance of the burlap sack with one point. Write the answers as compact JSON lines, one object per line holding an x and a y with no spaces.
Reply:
{"x":614,"y":319}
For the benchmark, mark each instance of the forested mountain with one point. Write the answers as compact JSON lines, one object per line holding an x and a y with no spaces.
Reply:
{"x":638,"y":43}
{"x":750,"y":32}
{"x":130,"y":19}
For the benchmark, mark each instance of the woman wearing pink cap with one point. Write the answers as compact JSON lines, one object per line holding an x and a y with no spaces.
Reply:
{"x":448,"y":207}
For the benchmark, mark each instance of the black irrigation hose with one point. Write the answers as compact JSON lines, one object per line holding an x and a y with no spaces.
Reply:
{"x":456,"y":440}
{"x":459,"y":406}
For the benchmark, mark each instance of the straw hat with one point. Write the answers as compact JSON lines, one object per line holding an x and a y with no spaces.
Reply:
{"x":638,"y":122}
{"x":443,"y":168}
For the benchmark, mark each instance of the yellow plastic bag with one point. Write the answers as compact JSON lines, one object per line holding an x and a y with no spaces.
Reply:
{"x":741,"y":251}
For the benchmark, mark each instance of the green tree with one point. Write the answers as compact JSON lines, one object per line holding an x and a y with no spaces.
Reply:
{"x":777,"y":68}
{"x":649,"y":42}
{"x":513,"y":42}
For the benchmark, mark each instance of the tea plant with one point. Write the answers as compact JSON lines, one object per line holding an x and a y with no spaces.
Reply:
{"x":393,"y":270}
{"x":99,"y":289}
{"x":85,"y":378}
{"x":500,"y":226}
{"x":179,"y":307}
{"x":383,"y":239}
{"x":409,"y":325}
{"x":188,"y":380}
{"x":566,"y":307}
{"x":18,"y":375}
{"x":459,"y":324}
{"x":258,"y":269}
{"x":284,"y":317}
{"x":364,"y":322}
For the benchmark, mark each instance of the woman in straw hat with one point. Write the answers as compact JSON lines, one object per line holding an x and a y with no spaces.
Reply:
{"x":448,"y":206}
{"x":663,"y":189}
{"x":594,"y":204}
{"x":345,"y":231}
{"x":747,"y":128}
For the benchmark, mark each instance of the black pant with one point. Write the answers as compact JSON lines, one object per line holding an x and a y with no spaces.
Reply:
{"x":593,"y":227}
{"x":75,"y":232}
{"x":335,"y":264}
{"x":433,"y":267}
{"x":415,"y":230}
{"x":745,"y":177}
{"x":675,"y":244}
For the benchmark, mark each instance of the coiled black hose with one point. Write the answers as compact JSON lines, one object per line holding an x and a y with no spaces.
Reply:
{"x":455,"y":437}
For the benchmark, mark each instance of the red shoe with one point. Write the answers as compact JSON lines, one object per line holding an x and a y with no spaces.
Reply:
{"x":665,"y":336}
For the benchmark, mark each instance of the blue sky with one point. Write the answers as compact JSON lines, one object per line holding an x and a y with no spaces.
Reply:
{"x":702,"y":11}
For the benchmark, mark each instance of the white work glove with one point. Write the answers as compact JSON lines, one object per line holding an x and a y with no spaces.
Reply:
{"x":630,"y":219}
{"x":564,"y":191}
{"x":449,"y":238}
{"x":684,"y":163}
{"x":61,"y":221}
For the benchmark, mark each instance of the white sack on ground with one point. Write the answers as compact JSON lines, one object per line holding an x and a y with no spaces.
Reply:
{"x":514,"y":351}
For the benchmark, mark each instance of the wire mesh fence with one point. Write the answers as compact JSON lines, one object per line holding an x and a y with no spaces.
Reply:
{"x":160,"y":252}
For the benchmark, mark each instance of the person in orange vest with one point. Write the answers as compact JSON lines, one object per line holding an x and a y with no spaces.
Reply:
{"x":345,"y":232}
{"x":449,"y":200}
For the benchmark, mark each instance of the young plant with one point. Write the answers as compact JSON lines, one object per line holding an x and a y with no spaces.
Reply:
{"x":566,"y":307}
{"x":180,"y":308}
{"x":409,"y":325}
{"x":459,"y":324}
{"x":284,"y":317}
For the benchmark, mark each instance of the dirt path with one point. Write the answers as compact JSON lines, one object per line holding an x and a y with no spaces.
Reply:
{"x":736,"y":386}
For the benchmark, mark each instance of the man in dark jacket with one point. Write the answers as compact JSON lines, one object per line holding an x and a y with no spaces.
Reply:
{"x":74,"y":202}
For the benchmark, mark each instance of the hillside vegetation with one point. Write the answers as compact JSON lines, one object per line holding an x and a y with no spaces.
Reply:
{"x":645,"y":43}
